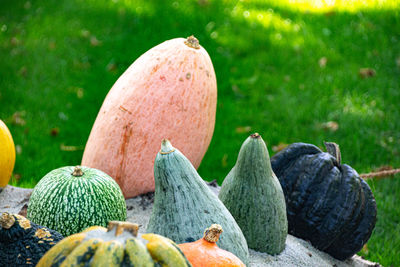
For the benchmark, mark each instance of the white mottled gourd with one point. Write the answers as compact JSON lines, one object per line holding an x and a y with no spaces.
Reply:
{"x":184,"y":205}
{"x":254,"y":196}
{"x":168,"y":92}
{"x":70,"y":199}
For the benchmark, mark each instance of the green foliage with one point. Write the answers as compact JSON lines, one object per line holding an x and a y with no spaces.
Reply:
{"x":282,"y":71}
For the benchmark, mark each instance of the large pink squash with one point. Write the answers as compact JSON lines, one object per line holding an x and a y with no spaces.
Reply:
{"x":170,"y":92}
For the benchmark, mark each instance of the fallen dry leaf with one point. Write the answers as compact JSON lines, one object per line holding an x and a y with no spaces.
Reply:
{"x":17,"y":118}
{"x":243,"y":129}
{"x":112,"y":67}
{"x":85,"y":33}
{"x":18,"y":149}
{"x":79,"y":93}
{"x":366,"y":73}
{"x":330,"y":125}
{"x":322,"y":62}
{"x":94,"y":41}
{"x":54,"y":131}
{"x":23,"y":71}
{"x":279,"y":147}
{"x":224,"y":160}
{"x":70,"y":148}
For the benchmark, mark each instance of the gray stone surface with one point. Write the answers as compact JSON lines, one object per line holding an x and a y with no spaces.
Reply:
{"x":297,"y":252}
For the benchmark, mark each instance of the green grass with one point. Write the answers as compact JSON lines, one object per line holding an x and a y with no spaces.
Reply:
{"x":60,"y":58}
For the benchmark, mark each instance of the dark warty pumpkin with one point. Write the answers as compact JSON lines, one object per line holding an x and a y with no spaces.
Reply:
{"x":327,"y":202}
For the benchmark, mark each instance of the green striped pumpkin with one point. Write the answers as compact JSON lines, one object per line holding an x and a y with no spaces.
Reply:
{"x":70,"y":199}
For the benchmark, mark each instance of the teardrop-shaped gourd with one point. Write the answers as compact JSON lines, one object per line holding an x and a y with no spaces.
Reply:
{"x":22,"y":242}
{"x":117,"y":245}
{"x":168,"y":92}
{"x":205,"y":252}
{"x":184,"y":205}
{"x":254,"y":196}
{"x":7,"y":155}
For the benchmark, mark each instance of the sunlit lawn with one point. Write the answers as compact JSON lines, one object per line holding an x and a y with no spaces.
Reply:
{"x":290,"y":71}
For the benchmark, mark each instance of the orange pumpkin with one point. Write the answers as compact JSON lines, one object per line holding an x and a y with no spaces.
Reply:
{"x":205,"y":252}
{"x":168,"y":92}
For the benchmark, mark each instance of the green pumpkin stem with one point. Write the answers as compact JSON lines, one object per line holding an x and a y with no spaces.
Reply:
{"x":212,"y":233}
{"x":77,"y":172}
{"x":133,"y":228}
{"x":333,"y":149}
{"x":192,"y":42}
{"x":7,"y":220}
{"x":255,"y":135}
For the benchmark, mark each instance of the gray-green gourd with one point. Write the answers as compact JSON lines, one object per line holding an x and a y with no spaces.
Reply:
{"x":184,"y":205}
{"x":254,"y":196}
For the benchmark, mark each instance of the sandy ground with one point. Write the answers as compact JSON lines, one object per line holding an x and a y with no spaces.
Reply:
{"x":297,"y":252}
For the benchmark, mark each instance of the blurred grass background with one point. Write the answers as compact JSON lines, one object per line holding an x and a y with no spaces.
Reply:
{"x":308,"y":71}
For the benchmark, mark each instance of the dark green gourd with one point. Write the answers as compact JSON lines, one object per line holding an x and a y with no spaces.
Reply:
{"x":23,"y":243}
{"x":253,"y":195}
{"x":327,"y":202}
{"x":184,"y":206}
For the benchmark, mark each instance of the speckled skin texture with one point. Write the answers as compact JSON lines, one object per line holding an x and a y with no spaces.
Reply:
{"x":184,"y":206}
{"x":327,"y":202}
{"x":25,"y":242}
{"x":169,"y":92}
{"x":253,"y":195}
{"x":69,"y":203}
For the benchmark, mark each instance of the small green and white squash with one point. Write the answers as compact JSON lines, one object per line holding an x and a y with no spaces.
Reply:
{"x":184,"y":205}
{"x":254,"y":196}
{"x":70,"y":199}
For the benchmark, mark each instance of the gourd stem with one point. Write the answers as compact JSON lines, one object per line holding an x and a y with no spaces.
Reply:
{"x":192,"y":42}
{"x":133,"y":228}
{"x":333,"y":149}
{"x":255,"y":135}
{"x":7,"y":220}
{"x":166,"y":147}
{"x":77,"y":171}
{"x":212,"y":233}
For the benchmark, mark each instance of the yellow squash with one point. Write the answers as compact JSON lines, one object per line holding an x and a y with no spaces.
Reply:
{"x":7,"y":154}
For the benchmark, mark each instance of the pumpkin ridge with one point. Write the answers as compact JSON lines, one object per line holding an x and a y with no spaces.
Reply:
{"x":281,"y":159}
{"x":301,"y":190}
{"x":301,"y":203}
{"x":342,"y":250}
{"x":342,"y":205}
{"x":319,"y":207}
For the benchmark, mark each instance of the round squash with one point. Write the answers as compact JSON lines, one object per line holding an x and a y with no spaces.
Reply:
{"x":7,"y":155}
{"x":168,"y":92}
{"x":327,"y":202}
{"x":205,"y":252}
{"x":23,"y":242}
{"x":70,"y":199}
{"x":116,"y":246}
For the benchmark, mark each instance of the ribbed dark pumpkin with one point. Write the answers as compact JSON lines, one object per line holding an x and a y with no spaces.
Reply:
{"x":327,"y":202}
{"x":22,"y":242}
